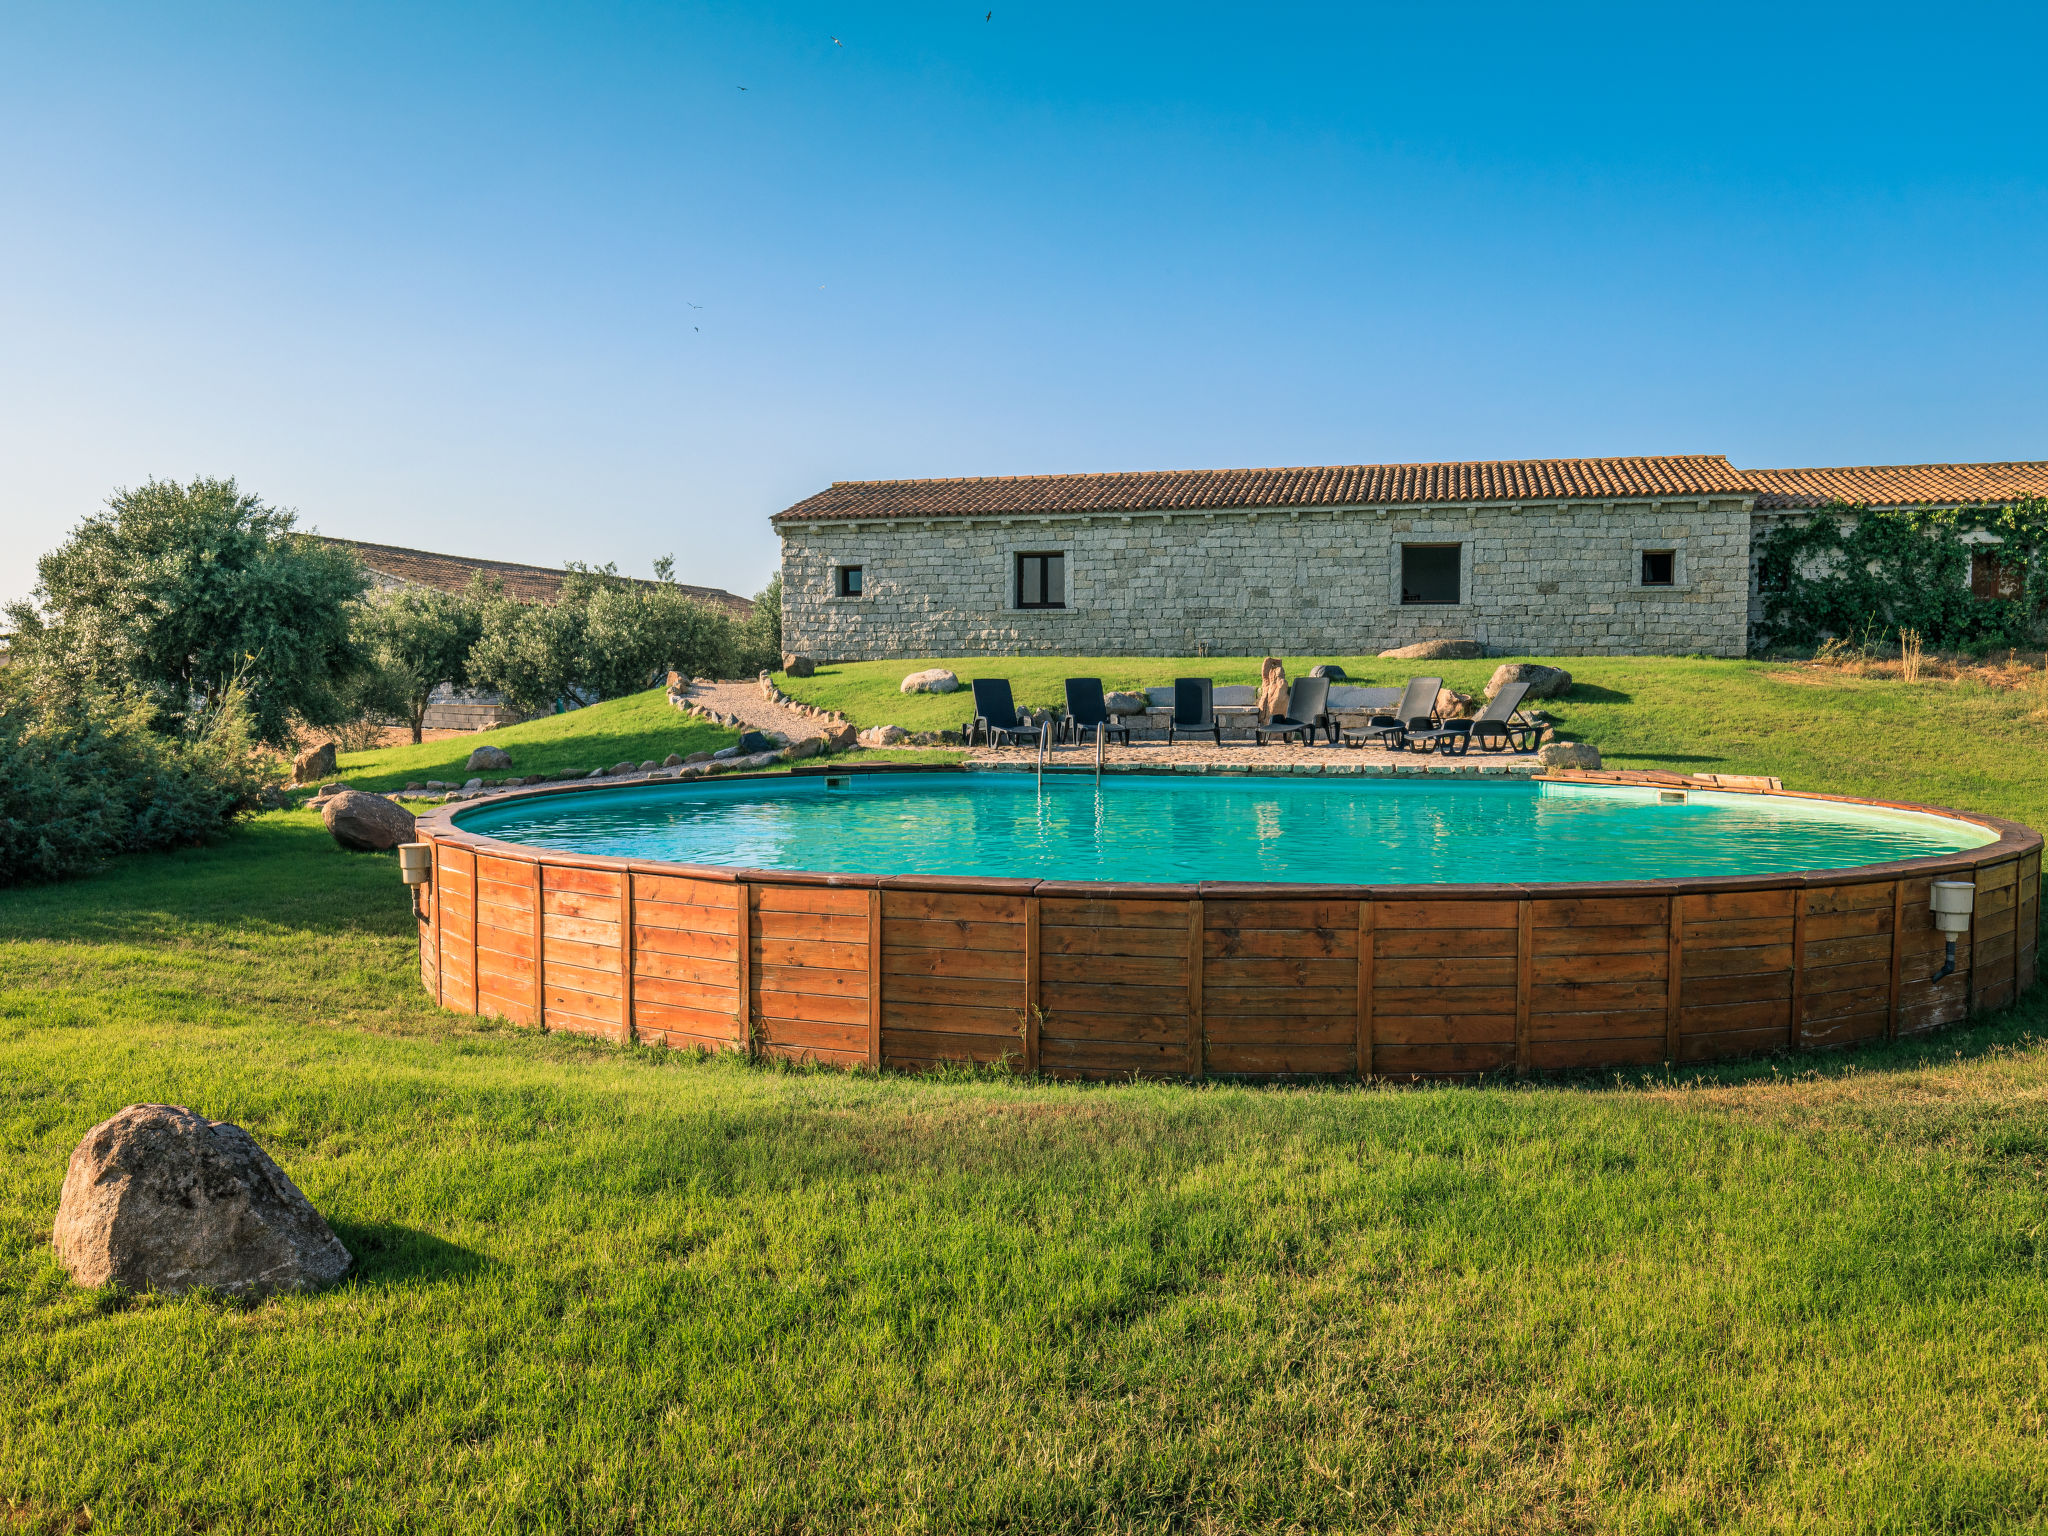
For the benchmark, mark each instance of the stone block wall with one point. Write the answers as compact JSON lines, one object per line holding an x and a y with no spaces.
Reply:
{"x":1543,"y":580}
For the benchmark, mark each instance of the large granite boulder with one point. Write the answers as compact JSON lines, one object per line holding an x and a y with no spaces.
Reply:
{"x":161,"y":1199}
{"x":794,"y":665}
{"x":1568,"y":754}
{"x":489,"y":760}
{"x":314,"y":764}
{"x":1436,"y":650}
{"x":367,"y":823}
{"x":932,"y":680}
{"x":1544,"y":682}
{"x":1125,"y":703}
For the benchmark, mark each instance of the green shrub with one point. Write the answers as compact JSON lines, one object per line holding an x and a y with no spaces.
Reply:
{"x":84,"y":781}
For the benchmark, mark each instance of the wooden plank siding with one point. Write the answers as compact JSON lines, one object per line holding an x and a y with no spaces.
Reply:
{"x":954,"y":976}
{"x":1113,"y":988}
{"x":807,"y":972}
{"x":1233,"y":981}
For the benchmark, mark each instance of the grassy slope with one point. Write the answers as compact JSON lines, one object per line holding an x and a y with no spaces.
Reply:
{"x":622,"y":1290}
{"x":632,"y":730}
{"x":1959,"y":744}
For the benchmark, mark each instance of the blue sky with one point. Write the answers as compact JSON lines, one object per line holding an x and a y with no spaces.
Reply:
{"x":432,"y":274}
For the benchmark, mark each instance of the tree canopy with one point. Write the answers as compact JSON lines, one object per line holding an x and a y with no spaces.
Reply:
{"x":181,"y":592}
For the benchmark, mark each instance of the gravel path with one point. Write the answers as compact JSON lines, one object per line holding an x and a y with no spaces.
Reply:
{"x":754,"y":711}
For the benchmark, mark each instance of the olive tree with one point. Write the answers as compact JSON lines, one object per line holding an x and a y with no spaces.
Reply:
{"x":180,"y":593}
{"x":414,"y":639}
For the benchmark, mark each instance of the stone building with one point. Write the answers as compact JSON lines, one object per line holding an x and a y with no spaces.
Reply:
{"x":479,"y":709}
{"x":1539,"y":556}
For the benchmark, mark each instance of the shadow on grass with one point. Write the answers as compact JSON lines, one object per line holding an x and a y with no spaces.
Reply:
{"x":1662,"y":757}
{"x":389,"y":1255}
{"x":1593,"y":693}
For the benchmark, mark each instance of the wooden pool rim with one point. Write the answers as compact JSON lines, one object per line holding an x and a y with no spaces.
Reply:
{"x":1218,"y":978}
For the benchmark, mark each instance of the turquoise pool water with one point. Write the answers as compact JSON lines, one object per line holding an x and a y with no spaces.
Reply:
{"x":1140,"y":827}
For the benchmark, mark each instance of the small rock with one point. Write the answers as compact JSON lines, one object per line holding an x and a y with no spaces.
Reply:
{"x":725,"y":754}
{"x":649,"y":766}
{"x":489,"y":760}
{"x":794,"y":665}
{"x":700,"y":757}
{"x":690,"y":771}
{"x":672,"y":761}
{"x":415,"y":785}
{"x":1331,"y":670}
{"x":1453,"y":705}
{"x":595,"y":773}
{"x":796,"y":751}
{"x":618,"y":768}
{"x":932,"y":680}
{"x":883,"y":736}
{"x":437,"y":784}
{"x":314,"y":764}
{"x":751,"y":742}
{"x":1568,"y":754}
{"x":474,"y":784}
{"x":840,"y":737}
{"x":160,"y":1199}
{"x":1125,"y":703}
{"x":1436,"y":650}
{"x":567,"y":774}
{"x":366,"y":823}
{"x":1544,"y":682}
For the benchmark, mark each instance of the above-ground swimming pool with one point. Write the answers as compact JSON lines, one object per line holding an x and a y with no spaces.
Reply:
{"x":1158,"y":827}
{"x":1240,"y":925}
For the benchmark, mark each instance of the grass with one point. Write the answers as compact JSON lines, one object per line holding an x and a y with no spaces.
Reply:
{"x":632,"y":729}
{"x":1960,"y":743}
{"x":626,"y":1290}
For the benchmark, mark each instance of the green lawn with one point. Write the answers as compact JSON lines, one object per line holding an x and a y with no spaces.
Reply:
{"x":631,"y":730}
{"x":1963,"y":744}
{"x":623,"y":1290}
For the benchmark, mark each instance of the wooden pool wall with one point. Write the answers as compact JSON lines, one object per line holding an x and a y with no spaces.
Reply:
{"x":1101,"y":980}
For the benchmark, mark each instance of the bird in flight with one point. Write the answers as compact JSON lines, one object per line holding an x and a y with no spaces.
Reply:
{"x":991,"y":16}
{"x":838,"y":44}
{"x":693,"y":306}
{"x":742,"y":87}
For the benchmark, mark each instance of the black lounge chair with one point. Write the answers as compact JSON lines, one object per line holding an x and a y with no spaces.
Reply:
{"x":1503,"y":721}
{"x":1087,"y":711}
{"x":1308,"y":711}
{"x":995,"y":715}
{"x":1194,"y":708}
{"x":1498,"y":722}
{"x":1415,"y":712}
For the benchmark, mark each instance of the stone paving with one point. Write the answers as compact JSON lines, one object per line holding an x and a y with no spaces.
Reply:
{"x":1243,"y":757}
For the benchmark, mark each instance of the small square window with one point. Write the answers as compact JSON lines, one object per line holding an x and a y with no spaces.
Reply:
{"x":1660,"y":567}
{"x":1042,"y":580}
{"x":1429,"y":573}
{"x":849,"y":581}
{"x":1992,"y":576}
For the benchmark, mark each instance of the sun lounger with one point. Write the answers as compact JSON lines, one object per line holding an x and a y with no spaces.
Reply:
{"x":1087,"y":711}
{"x":1307,"y":712}
{"x":1415,"y":712}
{"x":1194,"y":709}
{"x":995,"y":715}
{"x":1499,"y":722}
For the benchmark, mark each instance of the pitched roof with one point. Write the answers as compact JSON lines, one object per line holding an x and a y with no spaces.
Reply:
{"x":1892,"y":485}
{"x":528,"y":583}
{"x":1336,"y":485}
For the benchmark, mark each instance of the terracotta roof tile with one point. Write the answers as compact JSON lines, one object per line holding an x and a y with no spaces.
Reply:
{"x":1891,"y":485}
{"x":528,"y":583}
{"x":1219,"y":489}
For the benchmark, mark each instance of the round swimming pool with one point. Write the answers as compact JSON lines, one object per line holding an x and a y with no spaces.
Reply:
{"x":1195,"y":828}
{"x":1181,"y":925}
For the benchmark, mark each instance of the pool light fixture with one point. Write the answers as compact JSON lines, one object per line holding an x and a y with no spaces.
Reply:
{"x":1951,"y":902}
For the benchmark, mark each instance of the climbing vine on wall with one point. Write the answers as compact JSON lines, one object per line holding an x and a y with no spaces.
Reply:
{"x":1854,"y":574}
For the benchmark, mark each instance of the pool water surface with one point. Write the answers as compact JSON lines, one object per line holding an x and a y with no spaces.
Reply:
{"x":1190,"y":828}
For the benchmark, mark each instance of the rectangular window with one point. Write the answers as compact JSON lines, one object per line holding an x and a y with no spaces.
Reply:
{"x":1042,"y":580}
{"x":1429,"y":573}
{"x":849,"y":581}
{"x":1660,"y":567}
{"x":1991,"y":576}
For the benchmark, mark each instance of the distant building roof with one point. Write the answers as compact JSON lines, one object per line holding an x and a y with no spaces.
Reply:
{"x":1337,"y":485}
{"x":452,"y":573}
{"x":1898,"y":485}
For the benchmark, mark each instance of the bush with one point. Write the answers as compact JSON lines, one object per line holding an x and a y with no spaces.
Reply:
{"x":89,"y":780}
